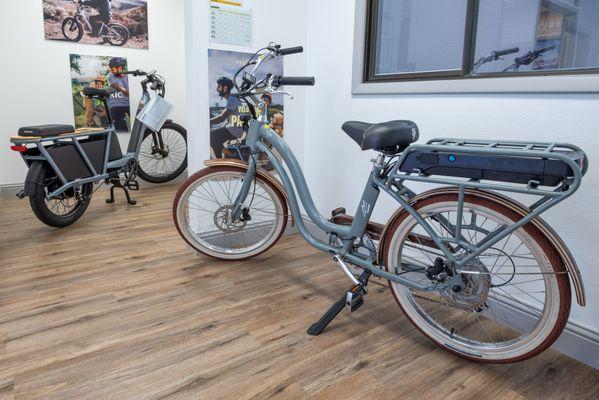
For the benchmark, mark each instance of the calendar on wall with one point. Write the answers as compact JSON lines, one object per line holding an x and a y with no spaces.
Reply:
{"x":230,"y":25}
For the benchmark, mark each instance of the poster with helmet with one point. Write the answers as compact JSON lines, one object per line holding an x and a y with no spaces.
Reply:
{"x":100,"y":72}
{"x":103,"y":22}
{"x":227,"y":134}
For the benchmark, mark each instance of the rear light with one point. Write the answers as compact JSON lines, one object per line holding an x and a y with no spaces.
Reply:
{"x":19,"y":148}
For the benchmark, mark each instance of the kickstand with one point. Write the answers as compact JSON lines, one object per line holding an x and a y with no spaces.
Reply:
{"x":352,"y":300}
{"x":116,"y":183}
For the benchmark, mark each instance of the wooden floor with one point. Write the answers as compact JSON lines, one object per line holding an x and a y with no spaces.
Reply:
{"x":116,"y":307}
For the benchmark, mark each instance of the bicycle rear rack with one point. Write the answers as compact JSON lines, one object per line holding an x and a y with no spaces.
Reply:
{"x":42,"y":144}
{"x":571,"y":155}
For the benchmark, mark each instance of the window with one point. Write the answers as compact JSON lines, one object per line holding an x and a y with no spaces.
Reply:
{"x":455,"y":39}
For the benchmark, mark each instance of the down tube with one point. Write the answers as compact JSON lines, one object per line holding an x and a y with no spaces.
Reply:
{"x":353,"y":258}
{"x":295,"y":210}
{"x":302,"y":186}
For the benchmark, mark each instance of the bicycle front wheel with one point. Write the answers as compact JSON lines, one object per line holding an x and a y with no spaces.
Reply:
{"x":72,"y":29}
{"x":508,"y":304}
{"x":163,"y":155}
{"x":202,"y":212}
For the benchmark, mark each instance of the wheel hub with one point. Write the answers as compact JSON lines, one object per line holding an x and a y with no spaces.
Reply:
{"x":474,"y":287}
{"x":223,"y":219}
{"x":160,"y":153}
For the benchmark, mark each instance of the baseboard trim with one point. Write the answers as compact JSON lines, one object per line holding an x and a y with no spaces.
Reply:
{"x":576,"y":341}
{"x":10,"y":190}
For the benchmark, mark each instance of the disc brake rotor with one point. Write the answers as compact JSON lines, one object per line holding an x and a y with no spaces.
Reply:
{"x":475,"y":290}
{"x":223,"y":219}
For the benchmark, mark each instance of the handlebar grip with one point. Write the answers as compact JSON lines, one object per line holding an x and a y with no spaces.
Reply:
{"x":544,"y":49}
{"x":137,"y":72}
{"x":505,"y":52}
{"x":295,"y":81}
{"x":290,"y":50}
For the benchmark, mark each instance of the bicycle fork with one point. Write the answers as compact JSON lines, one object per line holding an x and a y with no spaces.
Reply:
{"x":239,"y":212}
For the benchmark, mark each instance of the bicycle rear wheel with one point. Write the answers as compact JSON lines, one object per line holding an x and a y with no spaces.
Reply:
{"x":515,"y":298}
{"x":202,"y":214}
{"x":117,"y":34}
{"x":61,"y":211}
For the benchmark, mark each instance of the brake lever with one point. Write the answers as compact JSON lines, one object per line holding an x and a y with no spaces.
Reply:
{"x":283,"y":92}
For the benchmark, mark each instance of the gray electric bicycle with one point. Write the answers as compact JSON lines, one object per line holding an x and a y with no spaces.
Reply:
{"x":479,"y":274}
{"x":64,"y":162}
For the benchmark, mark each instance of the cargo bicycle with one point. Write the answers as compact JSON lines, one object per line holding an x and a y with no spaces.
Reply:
{"x":64,"y":162}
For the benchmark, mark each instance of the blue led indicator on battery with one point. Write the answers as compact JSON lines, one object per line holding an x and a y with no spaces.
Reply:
{"x":451,"y":158}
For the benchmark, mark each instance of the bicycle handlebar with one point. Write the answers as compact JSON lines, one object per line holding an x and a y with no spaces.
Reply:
{"x":137,"y":72}
{"x":290,"y":50}
{"x":533,"y":55}
{"x":294,"y":81}
{"x":500,"y":53}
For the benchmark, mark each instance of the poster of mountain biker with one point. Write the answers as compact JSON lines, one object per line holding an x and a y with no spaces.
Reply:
{"x":226,"y":127}
{"x":102,"y":22}
{"x":100,"y":72}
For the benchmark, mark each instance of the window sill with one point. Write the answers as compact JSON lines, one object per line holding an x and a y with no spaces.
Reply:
{"x":578,"y":83}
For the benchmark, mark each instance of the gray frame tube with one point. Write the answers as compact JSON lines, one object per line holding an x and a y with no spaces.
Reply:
{"x":259,"y":132}
{"x":366,"y":263}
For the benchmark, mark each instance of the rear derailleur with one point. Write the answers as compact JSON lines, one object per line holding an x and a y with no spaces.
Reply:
{"x":128,"y":182}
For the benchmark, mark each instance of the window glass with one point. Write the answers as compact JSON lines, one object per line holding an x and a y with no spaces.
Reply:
{"x":548,"y":34}
{"x":419,"y":36}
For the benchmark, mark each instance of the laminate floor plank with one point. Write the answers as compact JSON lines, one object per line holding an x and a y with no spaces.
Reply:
{"x":118,"y":307}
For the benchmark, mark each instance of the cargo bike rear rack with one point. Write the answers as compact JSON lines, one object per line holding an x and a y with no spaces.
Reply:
{"x":83,"y":156}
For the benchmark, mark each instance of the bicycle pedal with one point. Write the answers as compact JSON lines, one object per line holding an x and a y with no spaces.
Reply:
{"x":133,"y":185}
{"x":354,"y":299}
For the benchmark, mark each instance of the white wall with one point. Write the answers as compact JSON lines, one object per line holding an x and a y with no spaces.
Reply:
{"x":336,"y":169}
{"x":287,"y":28}
{"x":36,"y":83}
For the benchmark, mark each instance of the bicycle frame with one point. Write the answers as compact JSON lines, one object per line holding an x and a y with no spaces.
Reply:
{"x":260,"y":138}
{"x":84,"y":18}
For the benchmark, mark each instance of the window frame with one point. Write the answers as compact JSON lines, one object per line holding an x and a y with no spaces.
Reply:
{"x":368,"y":11}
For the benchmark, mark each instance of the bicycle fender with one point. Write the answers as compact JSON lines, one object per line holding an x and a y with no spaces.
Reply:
{"x":30,"y":187}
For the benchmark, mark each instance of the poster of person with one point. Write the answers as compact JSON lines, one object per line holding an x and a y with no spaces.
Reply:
{"x":226,"y":128}
{"x":100,"y":72}
{"x":103,"y":22}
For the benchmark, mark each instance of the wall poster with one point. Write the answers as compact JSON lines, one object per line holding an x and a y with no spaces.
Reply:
{"x":104,"y":22}
{"x":100,"y":72}
{"x":226,"y":129}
